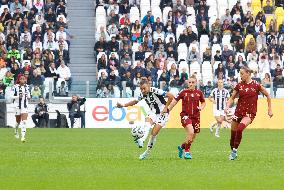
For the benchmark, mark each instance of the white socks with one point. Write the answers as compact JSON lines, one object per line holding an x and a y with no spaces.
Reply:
{"x":147,"y":128}
{"x":23,"y":127}
{"x":218,"y":129}
{"x":151,"y":142}
{"x":17,"y":128}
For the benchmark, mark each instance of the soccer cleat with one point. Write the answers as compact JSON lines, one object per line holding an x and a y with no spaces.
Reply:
{"x":140,"y":143}
{"x":187,"y":155}
{"x":17,"y":136}
{"x":233,"y":155}
{"x":144,"y":155}
{"x":217,"y":135}
{"x":180,"y":151}
{"x":23,"y":139}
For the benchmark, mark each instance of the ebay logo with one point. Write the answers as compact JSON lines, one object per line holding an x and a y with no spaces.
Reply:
{"x":111,"y":113}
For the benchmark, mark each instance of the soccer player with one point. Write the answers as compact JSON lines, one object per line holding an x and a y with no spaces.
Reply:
{"x":219,"y":97}
{"x":21,"y":99}
{"x":190,"y":114}
{"x":158,"y":114}
{"x":246,"y":109}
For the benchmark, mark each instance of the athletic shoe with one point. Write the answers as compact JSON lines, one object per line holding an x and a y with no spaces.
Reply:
{"x":187,"y":155}
{"x":211,"y":129}
{"x":144,"y":155}
{"x":23,"y":139}
{"x":17,"y":136}
{"x":233,"y":155}
{"x":140,"y":143}
{"x":217,"y":135}
{"x":180,"y":151}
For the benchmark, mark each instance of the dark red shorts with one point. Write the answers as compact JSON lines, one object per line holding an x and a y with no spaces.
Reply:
{"x":238,"y":117}
{"x":195,"y":122}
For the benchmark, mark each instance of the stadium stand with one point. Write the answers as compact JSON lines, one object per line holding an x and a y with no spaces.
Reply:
{"x":174,"y":39}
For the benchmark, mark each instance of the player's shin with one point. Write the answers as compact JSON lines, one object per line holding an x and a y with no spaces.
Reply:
{"x":147,"y":128}
{"x":23,"y":128}
{"x":17,"y":129}
{"x":151,"y":142}
{"x":239,"y":135}
{"x":217,"y":133}
{"x":232,"y":140}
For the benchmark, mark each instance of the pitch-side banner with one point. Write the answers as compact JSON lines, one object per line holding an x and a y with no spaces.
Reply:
{"x":103,"y":113}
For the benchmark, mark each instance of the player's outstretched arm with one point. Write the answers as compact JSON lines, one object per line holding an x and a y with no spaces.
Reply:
{"x":170,"y":97}
{"x":231,"y":100}
{"x":265,"y":93}
{"x":131,"y":103}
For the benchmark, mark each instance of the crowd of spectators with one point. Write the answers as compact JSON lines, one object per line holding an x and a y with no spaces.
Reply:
{"x":34,"y":42}
{"x":128,"y":49}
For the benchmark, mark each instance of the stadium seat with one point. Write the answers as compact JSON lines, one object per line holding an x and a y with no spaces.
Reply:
{"x":165,"y":14}
{"x":256,"y":10}
{"x":207,"y":73}
{"x":157,"y":13}
{"x":100,"y":55}
{"x":170,"y":36}
{"x":191,"y":20}
{"x":61,"y":16}
{"x":190,"y":11}
{"x":101,"y":71}
{"x":135,"y":46}
{"x":215,"y":65}
{"x":128,"y":92}
{"x":179,"y":30}
{"x":216,"y":47}
{"x":147,"y":54}
{"x":182,"y":51}
{"x":232,"y":3}
{"x":241,"y":54}
{"x":183,"y":65}
{"x":34,"y":27}
{"x":194,"y":67}
{"x":174,"y":91}
{"x":155,"y":3}
{"x":2,"y":8}
{"x":144,"y":7}
{"x":115,"y":53}
{"x":253,"y":66}
{"x":137,"y":92}
{"x":222,"y":6}
{"x":46,"y":83}
{"x":204,"y":40}
{"x":279,"y":12}
{"x":134,"y":14}
{"x":280,"y":93}
{"x":116,"y":92}
{"x":170,"y":63}
{"x":268,"y":19}
{"x":194,"y":45}
{"x":226,"y":40}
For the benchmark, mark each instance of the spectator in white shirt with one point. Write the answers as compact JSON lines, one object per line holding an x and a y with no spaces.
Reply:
{"x":158,"y":34}
{"x":61,"y":32}
{"x":50,"y":44}
{"x":37,"y":44}
{"x":49,"y":33}
{"x":63,"y":42}
{"x":64,"y":72}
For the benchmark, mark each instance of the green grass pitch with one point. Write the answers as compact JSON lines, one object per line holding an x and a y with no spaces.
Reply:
{"x":81,"y":159}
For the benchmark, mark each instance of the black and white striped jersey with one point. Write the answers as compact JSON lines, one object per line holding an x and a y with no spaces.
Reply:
{"x":21,"y":95}
{"x":220,"y":97}
{"x":155,"y":99}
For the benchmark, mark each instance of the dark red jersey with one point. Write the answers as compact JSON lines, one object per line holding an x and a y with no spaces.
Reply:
{"x":190,"y":102}
{"x":248,"y":95}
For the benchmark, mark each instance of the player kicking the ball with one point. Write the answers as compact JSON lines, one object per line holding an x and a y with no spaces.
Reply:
{"x":246,"y":109}
{"x":21,"y":98}
{"x":190,"y":114}
{"x":158,"y":114}
{"x":219,"y":97}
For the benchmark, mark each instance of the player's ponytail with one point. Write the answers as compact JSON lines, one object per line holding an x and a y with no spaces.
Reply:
{"x":247,"y":69}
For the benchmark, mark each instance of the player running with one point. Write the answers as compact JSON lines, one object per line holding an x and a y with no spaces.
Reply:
{"x":190,"y":114}
{"x":158,"y":114}
{"x":219,"y":97}
{"x":246,"y":109}
{"x":21,"y":99}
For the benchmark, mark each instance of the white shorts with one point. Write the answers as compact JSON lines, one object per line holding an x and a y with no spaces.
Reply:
{"x":218,"y":113}
{"x":158,"y":118}
{"x":19,"y":111}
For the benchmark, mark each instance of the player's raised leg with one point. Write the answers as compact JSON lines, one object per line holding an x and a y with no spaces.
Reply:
{"x":151,"y":142}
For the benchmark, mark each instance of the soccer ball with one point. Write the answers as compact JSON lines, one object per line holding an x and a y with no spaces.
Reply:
{"x":137,"y":132}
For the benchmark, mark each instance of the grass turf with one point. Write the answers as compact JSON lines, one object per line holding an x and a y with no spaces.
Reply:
{"x":108,"y":159}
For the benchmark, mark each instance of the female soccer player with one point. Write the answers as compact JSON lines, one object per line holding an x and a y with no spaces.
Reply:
{"x":219,"y":97}
{"x":158,"y":114}
{"x":21,"y":98}
{"x":190,"y":114}
{"x":246,"y":109}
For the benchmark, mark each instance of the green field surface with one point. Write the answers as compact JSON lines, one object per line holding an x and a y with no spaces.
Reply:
{"x":81,"y":159}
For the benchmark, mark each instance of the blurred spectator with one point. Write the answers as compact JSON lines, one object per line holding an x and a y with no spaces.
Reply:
{"x":35,"y":92}
{"x":149,"y":18}
{"x":172,"y":73}
{"x":268,"y":9}
{"x":62,"y":90}
{"x":266,"y":81}
{"x":102,"y":62}
{"x":256,"y":77}
{"x":207,"y":56}
{"x":35,"y":80}
{"x":207,"y":89}
{"x":193,"y":56}
{"x":64,"y":72}
{"x":220,"y":70}
{"x":179,"y":19}
{"x":2,"y":89}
